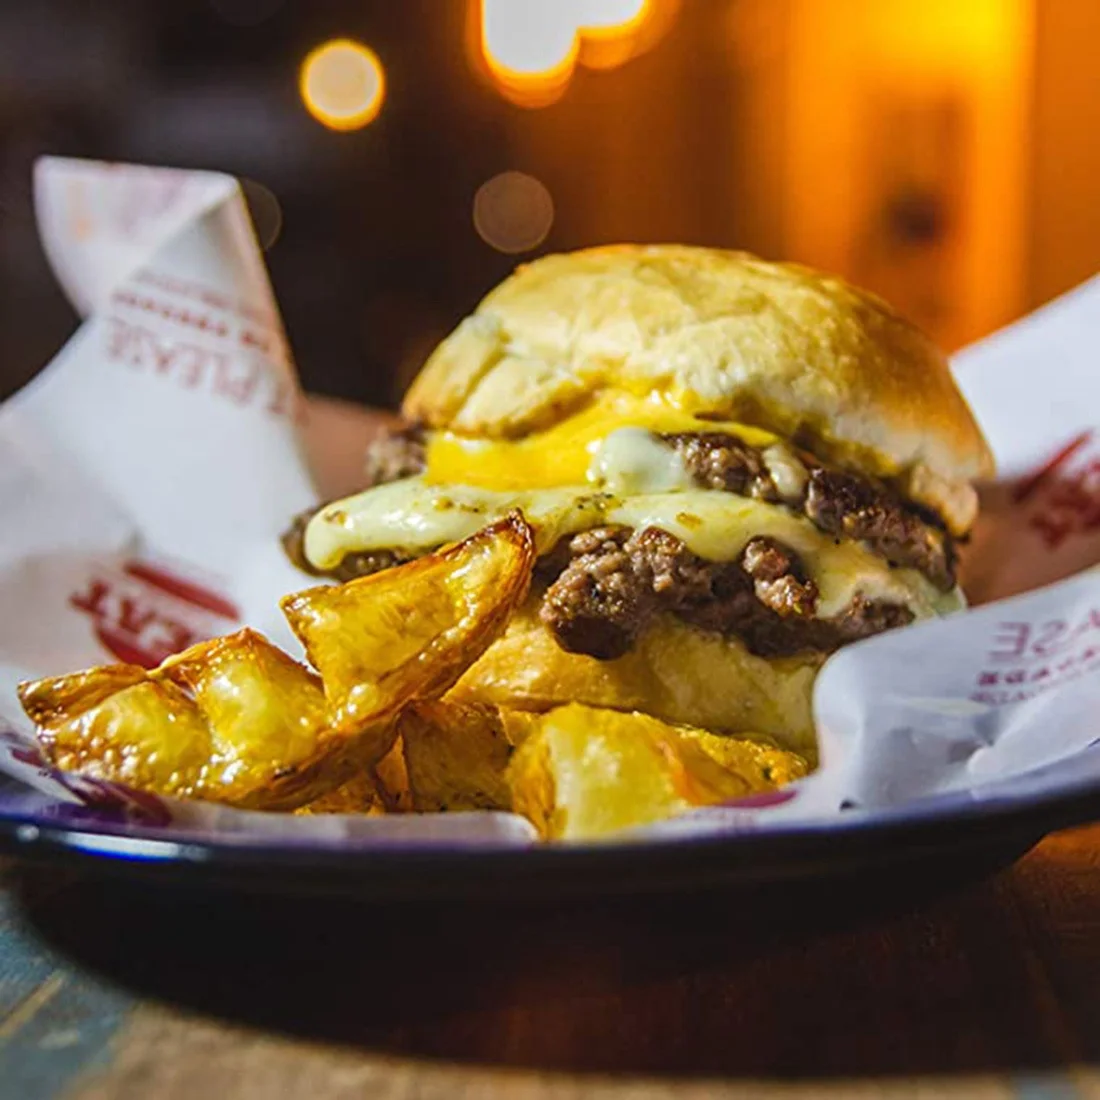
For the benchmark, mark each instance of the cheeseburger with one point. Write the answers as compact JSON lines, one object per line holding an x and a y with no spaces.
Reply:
{"x":733,"y":468}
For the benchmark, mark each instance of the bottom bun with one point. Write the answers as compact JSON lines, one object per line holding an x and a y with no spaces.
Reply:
{"x":675,"y":671}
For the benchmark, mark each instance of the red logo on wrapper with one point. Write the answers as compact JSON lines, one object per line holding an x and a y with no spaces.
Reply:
{"x":1063,"y":497}
{"x":144,"y":613}
{"x":1026,"y":659}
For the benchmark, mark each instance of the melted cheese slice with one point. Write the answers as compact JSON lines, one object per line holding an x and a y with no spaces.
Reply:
{"x":634,"y":460}
{"x":564,"y":454}
{"x":416,"y":515}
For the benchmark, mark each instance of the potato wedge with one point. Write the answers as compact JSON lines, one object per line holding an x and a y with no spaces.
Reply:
{"x":271,"y":744}
{"x":518,"y":724}
{"x":232,"y":720}
{"x":116,"y":723}
{"x":751,"y":755}
{"x":585,"y":773}
{"x":57,"y":698}
{"x":456,"y":756}
{"x":236,"y":720}
{"x":409,"y":633}
{"x":391,"y":780}
{"x":358,"y":795}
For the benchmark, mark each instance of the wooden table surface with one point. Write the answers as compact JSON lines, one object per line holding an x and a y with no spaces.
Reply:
{"x":113,"y":991}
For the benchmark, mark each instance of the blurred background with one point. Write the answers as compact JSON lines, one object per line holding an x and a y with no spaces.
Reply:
{"x":401,"y":156}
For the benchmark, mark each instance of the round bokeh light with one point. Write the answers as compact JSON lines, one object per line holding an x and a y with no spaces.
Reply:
{"x":513,"y":212}
{"x":342,"y":84}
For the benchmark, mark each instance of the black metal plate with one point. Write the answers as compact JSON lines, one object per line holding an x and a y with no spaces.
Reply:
{"x":924,"y":835}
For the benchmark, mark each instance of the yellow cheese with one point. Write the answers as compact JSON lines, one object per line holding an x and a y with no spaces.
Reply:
{"x":417,"y":516}
{"x":563,"y":455}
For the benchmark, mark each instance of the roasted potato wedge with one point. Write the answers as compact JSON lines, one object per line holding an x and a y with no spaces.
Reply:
{"x":359,"y":795}
{"x":232,"y":720}
{"x":391,"y":780}
{"x":518,"y":725}
{"x":410,"y":632}
{"x":271,"y":744}
{"x":236,"y":720}
{"x":116,"y":723}
{"x":753,"y":756}
{"x":584,"y":773}
{"x":58,"y":698}
{"x":456,"y":756}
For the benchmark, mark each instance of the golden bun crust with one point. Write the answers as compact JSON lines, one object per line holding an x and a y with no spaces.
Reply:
{"x":675,"y":672}
{"x":725,"y":335}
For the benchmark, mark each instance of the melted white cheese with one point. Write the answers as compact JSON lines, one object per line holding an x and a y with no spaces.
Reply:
{"x":413,"y":515}
{"x":634,"y":460}
{"x":416,"y":516}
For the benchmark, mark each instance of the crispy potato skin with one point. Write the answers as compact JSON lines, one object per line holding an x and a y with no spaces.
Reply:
{"x":48,"y":700}
{"x":232,"y":720}
{"x":409,"y":633}
{"x":578,"y":772}
{"x":391,"y":779}
{"x":755,"y":757}
{"x":141,"y":732}
{"x":271,"y":744}
{"x":359,"y":795}
{"x":456,"y":756}
{"x":584,"y":773}
{"x":235,"y":720}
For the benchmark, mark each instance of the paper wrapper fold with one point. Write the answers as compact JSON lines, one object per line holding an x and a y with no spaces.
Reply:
{"x":146,"y":473}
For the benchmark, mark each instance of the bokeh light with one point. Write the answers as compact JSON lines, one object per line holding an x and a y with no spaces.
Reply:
{"x":513,"y":212}
{"x":613,"y":32}
{"x":342,"y":84}
{"x":531,"y":48}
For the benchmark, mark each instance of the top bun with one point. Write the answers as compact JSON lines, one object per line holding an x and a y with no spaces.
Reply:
{"x":723,"y":335}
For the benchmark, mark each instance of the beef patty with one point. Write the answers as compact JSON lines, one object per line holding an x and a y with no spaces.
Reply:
{"x":835,"y":501}
{"x":397,"y":453}
{"x":617,"y":579}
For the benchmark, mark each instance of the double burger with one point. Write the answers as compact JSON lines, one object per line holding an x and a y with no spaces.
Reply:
{"x":733,"y":468}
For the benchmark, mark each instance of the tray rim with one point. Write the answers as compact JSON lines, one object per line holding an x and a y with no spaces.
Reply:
{"x":783,"y":851}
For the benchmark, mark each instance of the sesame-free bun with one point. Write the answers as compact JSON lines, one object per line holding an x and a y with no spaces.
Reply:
{"x":675,"y":671}
{"x":724,"y":335}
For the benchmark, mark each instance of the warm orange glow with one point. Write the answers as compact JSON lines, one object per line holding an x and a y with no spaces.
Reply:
{"x":912,"y":96}
{"x":531,"y":47}
{"x":342,"y":84}
{"x":609,"y":17}
{"x":528,"y":37}
{"x":609,"y":30}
